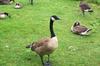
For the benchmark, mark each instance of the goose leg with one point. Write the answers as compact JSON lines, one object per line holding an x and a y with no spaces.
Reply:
{"x":83,"y":12}
{"x":48,"y":62}
{"x":48,"y":58}
{"x":42,"y":60}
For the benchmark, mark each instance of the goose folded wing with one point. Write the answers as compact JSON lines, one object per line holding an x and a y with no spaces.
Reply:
{"x":85,"y":6}
{"x":42,"y":42}
{"x":79,"y":29}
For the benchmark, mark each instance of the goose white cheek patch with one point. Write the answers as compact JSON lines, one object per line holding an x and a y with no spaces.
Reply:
{"x":52,"y":18}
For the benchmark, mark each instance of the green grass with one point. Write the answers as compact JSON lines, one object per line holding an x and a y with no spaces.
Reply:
{"x":31,"y":23}
{"x":92,"y":1}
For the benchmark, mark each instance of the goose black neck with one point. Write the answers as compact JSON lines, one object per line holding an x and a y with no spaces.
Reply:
{"x":51,"y":28}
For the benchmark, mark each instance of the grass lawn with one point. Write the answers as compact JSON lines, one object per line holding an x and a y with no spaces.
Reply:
{"x":31,"y":23}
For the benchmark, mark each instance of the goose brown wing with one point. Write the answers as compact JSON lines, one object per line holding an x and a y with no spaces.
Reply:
{"x":40,"y":46}
{"x":79,"y":29}
{"x":85,"y":6}
{"x":41,"y":42}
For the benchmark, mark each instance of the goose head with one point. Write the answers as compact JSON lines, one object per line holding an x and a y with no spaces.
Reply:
{"x":54,"y":17}
{"x":18,"y":6}
{"x":76,"y":24}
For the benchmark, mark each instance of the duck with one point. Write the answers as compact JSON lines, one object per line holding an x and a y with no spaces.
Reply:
{"x":4,"y":15}
{"x":80,"y":29}
{"x":46,"y":46}
{"x":85,"y":7}
{"x":18,"y":6}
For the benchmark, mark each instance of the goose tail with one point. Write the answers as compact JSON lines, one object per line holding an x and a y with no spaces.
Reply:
{"x":90,"y":10}
{"x":32,"y":46}
{"x":89,"y":30}
{"x":28,"y":46}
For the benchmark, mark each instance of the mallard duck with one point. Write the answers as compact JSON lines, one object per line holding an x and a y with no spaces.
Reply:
{"x":4,"y":15}
{"x":46,"y":46}
{"x":79,"y":29}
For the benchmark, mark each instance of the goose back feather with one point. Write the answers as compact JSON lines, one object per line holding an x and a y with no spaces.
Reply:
{"x":45,"y":46}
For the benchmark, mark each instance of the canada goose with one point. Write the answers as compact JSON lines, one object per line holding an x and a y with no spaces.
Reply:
{"x":46,"y":46}
{"x":79,"y":29}
{"x":18,"y":6}
{"x":85,"y":7}
{"x":4,"y":15}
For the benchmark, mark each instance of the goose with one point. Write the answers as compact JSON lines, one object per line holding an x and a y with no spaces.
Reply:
{"x":4,"y":15}
{"x":46,"y":46}
{"x":79,"y":29}
{"x":18,"y":6}
{"x":85,"y":7}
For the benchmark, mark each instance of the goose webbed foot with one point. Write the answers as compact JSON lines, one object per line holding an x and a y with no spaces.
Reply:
{"x":47,"y":64}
